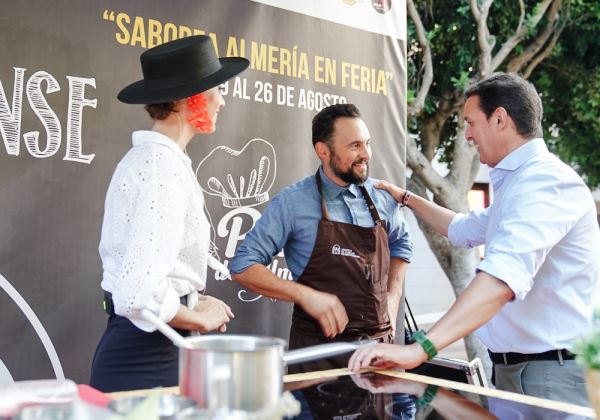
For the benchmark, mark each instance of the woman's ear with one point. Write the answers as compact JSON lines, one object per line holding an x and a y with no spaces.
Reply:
{"x":177,"y":107}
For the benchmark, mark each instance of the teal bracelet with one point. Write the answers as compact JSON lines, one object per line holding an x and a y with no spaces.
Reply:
{"x":428,"y":347}
{"x":428,"y":396}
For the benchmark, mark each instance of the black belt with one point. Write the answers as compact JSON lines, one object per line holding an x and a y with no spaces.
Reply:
{"x":109,"y":307}
{"x":514,"y":358}
{"x":367,"y":333}
{"x":310,"y":327}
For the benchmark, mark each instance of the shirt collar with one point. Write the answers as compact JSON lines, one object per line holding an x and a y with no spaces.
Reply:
{"x":333,"y":190}
{"x":516,"y":158}
{"x":141,"y":137}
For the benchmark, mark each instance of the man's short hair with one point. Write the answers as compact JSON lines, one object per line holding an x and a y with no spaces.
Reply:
{"x":323,"y":122}
{"x":516,"y":95}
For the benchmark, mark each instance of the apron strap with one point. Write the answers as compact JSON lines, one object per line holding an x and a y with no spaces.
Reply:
{"x":371,"y":205}
{"x":367,"y":197}
{"x":324,"y":211}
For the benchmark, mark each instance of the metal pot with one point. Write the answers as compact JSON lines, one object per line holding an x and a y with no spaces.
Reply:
{"x":242,"y":372}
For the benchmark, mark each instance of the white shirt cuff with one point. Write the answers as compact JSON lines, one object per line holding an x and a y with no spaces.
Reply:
{"x":454,"y":231}
{"x":507,"y":269}
{"x":166,"y":311}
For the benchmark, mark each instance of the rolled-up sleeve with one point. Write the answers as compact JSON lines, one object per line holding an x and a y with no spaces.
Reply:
{"x":266,"y":238}
{"x":532,"y":223}
{"x":468,"y":230}
{"x":399,"y":240}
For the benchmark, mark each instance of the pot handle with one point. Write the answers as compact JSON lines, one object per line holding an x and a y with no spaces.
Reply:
{"x":323,"y":351}
{"x":166,"y":329}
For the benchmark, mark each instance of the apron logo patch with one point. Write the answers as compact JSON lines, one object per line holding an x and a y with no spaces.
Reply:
{"x":344,"y":252}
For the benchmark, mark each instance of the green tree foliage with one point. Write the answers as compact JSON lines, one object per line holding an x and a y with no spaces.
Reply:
{"x":452,"y":43}
{"x":569,"y":81}
{"x":568,"y":78}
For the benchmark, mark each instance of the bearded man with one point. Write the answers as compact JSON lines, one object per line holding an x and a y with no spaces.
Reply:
{"x":345,"y":243}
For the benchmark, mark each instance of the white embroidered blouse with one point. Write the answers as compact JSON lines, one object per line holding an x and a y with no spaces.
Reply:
{"x":155,"y":234}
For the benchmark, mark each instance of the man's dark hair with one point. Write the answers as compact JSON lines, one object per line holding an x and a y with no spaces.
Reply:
{"x":160,"y":111}
{"x":516,"y":95}
{"x":323,"y":122}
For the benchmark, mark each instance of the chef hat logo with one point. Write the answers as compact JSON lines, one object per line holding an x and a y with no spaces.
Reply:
{"x":242,"y":178}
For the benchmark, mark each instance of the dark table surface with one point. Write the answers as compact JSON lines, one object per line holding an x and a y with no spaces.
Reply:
{"x":337,"y":395}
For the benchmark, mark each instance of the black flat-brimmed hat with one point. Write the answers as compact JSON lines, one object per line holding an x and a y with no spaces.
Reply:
{"x":179,"y":69}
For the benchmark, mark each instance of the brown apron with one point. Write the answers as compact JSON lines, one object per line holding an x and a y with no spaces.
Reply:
{"x":351,"y":262}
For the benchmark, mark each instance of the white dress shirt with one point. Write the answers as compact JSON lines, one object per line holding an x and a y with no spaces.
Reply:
{"x":542,"y":239}
{"x":155,"y":234}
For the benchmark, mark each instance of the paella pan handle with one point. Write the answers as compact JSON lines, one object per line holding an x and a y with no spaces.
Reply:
{"x":323,"y":351}
{"x":166,"y":329}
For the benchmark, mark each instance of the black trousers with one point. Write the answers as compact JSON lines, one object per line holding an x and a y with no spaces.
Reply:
{"x":128,"y":358}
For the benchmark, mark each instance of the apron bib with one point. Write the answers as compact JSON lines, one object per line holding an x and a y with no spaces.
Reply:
{"x":351,"y":262}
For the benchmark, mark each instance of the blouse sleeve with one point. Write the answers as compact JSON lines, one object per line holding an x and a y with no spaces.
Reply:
{"x":152,"y":243}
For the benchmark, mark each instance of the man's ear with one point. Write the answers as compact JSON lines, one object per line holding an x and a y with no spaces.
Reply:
{"x":501,"y":118}
{"x":322,"y":150}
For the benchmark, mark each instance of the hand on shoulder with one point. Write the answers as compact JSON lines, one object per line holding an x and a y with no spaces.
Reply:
{"x":396,"y":192}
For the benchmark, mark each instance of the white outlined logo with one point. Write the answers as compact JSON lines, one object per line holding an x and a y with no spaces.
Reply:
{"x":343,"y":252}
{"x":241,"y":181}
{"x":36,"y":324}
{"x":236,"y":185}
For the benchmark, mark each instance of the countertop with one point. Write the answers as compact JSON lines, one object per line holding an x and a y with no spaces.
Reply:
{"x":391,"y":394}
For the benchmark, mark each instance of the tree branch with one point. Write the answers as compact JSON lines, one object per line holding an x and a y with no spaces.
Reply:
{"x":516,"y":64}
{"x":433,"y":124}
{"x":520,"y":33}
{"x":438,"y":243}
{"x":542,"y":55}
{"x":464,"y":168}
{"x":417,"y":106}
{"x":475,"y":165}
{"x":486,"y":43}
{"x":423,"y":170}
{"x":521,"y":15}
{"x":462,"y":162}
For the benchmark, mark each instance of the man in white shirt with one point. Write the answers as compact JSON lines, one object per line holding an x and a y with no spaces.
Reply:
{"x":531,"y":297}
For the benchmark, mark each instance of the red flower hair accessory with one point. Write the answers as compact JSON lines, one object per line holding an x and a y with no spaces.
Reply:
{"x":199,"y":118}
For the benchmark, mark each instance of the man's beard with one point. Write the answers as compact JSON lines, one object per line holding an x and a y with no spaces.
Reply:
{"x":350,"y":175}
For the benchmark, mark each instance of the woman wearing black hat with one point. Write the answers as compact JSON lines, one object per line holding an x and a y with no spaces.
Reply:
{"x":155,"y":234}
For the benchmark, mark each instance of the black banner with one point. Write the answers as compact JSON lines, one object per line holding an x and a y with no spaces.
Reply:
{"x":63,"y":132}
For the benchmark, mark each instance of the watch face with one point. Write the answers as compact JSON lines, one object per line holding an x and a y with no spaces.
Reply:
{"x":382,"y":6}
